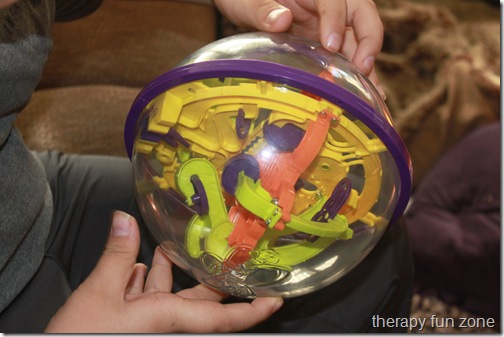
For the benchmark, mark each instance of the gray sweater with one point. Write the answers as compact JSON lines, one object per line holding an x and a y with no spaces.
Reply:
{"x":25,"y":197}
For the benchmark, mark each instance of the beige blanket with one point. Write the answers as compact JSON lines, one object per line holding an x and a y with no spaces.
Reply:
{"x":441,"y":72}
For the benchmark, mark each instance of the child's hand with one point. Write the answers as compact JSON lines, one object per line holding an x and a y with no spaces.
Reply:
{"x":116,"y":297}
{"x":351,"y":27}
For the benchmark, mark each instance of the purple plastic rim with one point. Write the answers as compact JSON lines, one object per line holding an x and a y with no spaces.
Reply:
{"x":278,"y":73}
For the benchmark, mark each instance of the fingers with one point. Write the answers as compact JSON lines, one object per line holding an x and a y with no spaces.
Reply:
{"x":202,"y":292}
{"x":160,"y":276}
{"x":333,"y":21}
{"x":368,"y":29}
{"x":336,"y":19}
{"x":114,"y":269}
{"x":327,"y":20}
{"x":137,"y":280}
{"x":197,"y":316}
{"x":361,"y":17}
{"x":264,"y":15}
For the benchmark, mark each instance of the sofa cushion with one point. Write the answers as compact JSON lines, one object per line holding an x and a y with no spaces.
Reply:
{"x":85,"y":119}
{"x":127,"y":42}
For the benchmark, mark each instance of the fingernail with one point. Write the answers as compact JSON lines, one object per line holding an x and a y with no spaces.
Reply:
{"x":121,"y":224}
{"x":278,"y":304}
{"x":274,"y":15}
{"x":333,"y":42}
{"x":159,"y":257}
{"x":367,"y":65}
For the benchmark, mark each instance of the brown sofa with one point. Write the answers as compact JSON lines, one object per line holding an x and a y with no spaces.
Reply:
{"x":99,"y":64}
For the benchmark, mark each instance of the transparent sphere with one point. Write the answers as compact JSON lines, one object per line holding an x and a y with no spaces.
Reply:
{"x":266,"y":166}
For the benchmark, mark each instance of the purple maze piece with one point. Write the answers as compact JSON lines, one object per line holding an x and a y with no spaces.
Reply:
{"x":241,"y":162}
{"x":199,"y":199}
{"x":242,"y":125}
{"x":285,"y":138}
{"x":337,"y":199}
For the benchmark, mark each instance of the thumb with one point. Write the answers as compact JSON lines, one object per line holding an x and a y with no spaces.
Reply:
{"x":115,"y":266}
{"x":264,"y":15}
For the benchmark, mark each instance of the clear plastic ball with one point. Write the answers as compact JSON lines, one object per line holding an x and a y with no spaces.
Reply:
{"x":265,"y":165}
